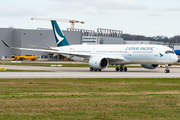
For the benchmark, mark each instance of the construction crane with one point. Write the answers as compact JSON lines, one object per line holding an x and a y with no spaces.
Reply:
{"x":60,"y":20}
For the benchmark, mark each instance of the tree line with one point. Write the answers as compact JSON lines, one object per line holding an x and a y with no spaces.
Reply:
{"x":174,"y":39}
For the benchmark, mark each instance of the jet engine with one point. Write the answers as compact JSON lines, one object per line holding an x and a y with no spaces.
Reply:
{"x":98,"y":62}
{"x":149,"y":66}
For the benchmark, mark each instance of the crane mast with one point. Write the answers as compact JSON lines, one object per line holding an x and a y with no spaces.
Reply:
{"x":60,"y":20}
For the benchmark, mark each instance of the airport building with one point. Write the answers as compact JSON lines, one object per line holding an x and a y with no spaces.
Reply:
{"x":143,"y":42}
{"x":24,"y":38}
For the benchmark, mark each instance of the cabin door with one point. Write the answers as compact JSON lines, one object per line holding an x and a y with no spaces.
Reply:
{"x":156,"y":52}
{"x":94,"y":50}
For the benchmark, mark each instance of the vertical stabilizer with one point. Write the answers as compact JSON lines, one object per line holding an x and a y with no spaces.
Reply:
{"x":59,"y":36}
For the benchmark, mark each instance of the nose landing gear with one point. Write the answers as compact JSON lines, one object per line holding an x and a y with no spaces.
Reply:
{"x":167,"y":69}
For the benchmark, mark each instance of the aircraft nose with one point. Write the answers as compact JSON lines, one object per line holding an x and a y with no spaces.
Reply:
{"x":175,"y":58}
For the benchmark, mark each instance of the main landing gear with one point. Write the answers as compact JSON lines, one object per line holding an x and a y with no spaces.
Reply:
{"x":167,"y":69}
{"x":121,"y":68}
{"x":92,"y":69}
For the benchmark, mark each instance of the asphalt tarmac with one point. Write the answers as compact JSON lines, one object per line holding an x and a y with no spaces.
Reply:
{"x":83,"y":72}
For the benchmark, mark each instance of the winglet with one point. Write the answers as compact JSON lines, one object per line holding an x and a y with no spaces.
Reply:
{"x":8,"y":45}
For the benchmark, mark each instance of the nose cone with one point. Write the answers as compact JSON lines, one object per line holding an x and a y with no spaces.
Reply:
{"x":174,"y":58}
{"x":177,"y":52}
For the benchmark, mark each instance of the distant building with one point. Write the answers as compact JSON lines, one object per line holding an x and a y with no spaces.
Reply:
{"x":143,"y":42}
{"x":102,"y":36}
{"x":176,"y":47}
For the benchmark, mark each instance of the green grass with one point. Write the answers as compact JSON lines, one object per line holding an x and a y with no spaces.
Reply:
{"x":89,"y":99}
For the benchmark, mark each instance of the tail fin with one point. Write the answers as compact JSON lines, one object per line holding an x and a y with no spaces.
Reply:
{"x":59,"y":36}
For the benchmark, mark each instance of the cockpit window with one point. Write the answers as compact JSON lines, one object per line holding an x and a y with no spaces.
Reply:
{"x":169,"y":52}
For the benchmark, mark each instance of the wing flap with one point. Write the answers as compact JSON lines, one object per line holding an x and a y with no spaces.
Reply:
{"x":47,"y":48}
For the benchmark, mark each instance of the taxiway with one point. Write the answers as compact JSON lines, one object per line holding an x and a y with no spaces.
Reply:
{"x":83,"y":72}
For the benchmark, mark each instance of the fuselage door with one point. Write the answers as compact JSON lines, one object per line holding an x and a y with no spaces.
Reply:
{"x":156,"y":52}
{"x":94,"y":50}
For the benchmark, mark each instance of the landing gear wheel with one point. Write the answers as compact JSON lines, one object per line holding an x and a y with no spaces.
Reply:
{"x":21,"y":59}
{"x":95,"y":70}
{"x":166,"y":71}
{"x":117,"y":69}
{"x":99,"y":70}
{"x":125,"y":69}
{"x":121,"y":69}
{"x":91,"y":69}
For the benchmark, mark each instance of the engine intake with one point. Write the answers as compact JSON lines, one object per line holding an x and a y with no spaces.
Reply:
{"x":149,"y":66}
{"x":98,"y":62}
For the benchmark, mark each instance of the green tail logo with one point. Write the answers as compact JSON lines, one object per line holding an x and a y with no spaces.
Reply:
{"x":59,"y":36}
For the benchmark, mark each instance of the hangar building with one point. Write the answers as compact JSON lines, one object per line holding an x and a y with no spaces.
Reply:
{"x":143,"y":42}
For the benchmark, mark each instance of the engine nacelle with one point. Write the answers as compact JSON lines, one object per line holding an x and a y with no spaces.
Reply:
{"x":149,"y":66}
{"x":98,"y":62}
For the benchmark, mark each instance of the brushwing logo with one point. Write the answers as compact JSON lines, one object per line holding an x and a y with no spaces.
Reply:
{"x":58,"y":37}
{"x":161,"y":54}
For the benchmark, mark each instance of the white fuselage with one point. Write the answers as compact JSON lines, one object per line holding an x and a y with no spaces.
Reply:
{"x":132,"y":54}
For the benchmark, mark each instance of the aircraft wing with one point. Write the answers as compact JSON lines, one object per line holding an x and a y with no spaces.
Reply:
{"x":47,"y":48}
{"x":42,"y":50}
{"x":80,"y":54}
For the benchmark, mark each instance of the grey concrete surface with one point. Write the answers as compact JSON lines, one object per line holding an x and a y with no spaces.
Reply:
{"x":79,"y":72}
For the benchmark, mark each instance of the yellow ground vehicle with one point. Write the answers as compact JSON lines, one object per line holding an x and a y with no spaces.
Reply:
{"x":21,"y":58}
{"x":65,"y":59}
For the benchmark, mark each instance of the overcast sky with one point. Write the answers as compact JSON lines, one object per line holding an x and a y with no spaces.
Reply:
{"x":140,"y":17}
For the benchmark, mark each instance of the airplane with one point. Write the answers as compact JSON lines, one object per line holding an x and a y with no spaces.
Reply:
{"x":177,"y":52}
{"x":101,"y":56}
